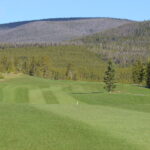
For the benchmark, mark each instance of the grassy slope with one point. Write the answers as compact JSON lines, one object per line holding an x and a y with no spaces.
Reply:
{"x":43,"y":115}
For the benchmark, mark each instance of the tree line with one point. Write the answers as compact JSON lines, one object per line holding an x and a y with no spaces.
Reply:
{"x":43,"y":66}
{"x":63,"y":62}
{"x":140,"y":75}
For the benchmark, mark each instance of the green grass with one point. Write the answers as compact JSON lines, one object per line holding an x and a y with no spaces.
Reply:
{"x":40,"y":114}
{"x":50,"y":97}
{"x":130,"y":97}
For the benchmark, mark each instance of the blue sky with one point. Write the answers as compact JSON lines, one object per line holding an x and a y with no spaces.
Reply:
{"x":19,"y":10}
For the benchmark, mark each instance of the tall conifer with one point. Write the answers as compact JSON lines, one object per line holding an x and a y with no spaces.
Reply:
{"x":148,"y":75}
{"x":109,"y":78}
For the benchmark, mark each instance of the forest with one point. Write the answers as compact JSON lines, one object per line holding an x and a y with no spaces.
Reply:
{"x":125,"y":44}
{"x":61,"y":62}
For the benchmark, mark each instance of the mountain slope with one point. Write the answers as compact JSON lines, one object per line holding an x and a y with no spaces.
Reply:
{"x":124,"y":44}
{"x":55,"y":30}
{"x":137,"y":30}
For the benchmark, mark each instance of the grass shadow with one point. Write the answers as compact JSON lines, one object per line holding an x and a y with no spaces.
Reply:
{"x":141,"y":86}
{"x":89,"y":93}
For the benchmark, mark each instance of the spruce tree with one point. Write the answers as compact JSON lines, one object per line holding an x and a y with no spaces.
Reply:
{"x":109,"y":78}
{"x":148,"y":75}
{"x":32,"y":68}
{"x":138,"y":72}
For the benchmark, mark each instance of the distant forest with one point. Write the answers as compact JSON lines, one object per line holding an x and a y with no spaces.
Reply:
{"x":59,"y":62}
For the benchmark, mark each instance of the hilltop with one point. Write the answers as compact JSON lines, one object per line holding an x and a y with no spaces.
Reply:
{"x":55,"y":30}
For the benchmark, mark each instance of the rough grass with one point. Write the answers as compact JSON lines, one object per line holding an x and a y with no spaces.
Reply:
{"x":39,"y":114}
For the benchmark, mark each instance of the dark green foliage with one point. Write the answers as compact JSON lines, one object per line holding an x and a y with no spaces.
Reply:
{"x":148,"y":75}
{"x":138,"y":72}
{"x":109,"y":77}
{"x":32,"y":67}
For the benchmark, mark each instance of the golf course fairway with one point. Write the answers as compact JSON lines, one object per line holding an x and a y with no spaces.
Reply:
{"x":41,"y":114}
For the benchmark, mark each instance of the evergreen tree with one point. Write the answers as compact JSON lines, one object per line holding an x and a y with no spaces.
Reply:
{"x":148,"y":75}
{"x":32,"y":67}
{"x":138,"y":72}
{"x":109,"y":77}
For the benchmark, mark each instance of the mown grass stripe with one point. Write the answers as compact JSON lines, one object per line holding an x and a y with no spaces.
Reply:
{"x":9,"y":94}
{"x":36,"y":97}
{"x":50,"y":97}
{"x":21,"y":95}
{"x":62,"y":96}
{"x":1,"y":95}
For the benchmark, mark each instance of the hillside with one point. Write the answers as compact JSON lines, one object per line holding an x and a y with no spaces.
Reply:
{"x":84,"y":64}
{"x":138,"y":31}
{"x":43,"y":114}
{"x":55,"y":30}
{"x":128,"y":42}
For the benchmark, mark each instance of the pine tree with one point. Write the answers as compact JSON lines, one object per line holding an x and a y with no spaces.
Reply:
{"x":148,"y":75}
{"x":138,"y":72}
{"x":32,"y":66}
{"x":109,"y":78}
